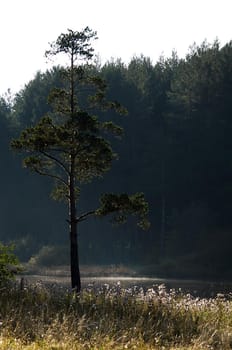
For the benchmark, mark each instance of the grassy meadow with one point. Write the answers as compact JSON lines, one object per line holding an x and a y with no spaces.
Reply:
{"x":110,"y":317}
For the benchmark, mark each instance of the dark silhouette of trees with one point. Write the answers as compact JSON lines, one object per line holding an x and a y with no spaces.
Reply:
{"x":176,"y":149}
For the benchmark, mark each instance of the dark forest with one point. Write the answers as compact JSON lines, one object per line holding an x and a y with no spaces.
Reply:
{"x":176,"y":148}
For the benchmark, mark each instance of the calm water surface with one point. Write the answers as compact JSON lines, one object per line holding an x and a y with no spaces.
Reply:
{"x":196,"y":288}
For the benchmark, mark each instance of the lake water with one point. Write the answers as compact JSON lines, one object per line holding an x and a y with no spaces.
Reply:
{"x":196,"y":288}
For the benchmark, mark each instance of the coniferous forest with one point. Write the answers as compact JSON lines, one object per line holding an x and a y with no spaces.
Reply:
{"x":176,"y":148}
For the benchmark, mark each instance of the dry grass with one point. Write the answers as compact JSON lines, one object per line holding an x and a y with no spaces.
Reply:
{"x":40,"y":317}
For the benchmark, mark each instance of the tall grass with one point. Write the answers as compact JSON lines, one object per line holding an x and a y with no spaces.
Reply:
{"x":42,"y":317}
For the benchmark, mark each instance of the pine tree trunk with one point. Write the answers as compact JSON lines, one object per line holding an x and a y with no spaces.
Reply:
{"x":74,"y":256}
{"x":74,"y":259}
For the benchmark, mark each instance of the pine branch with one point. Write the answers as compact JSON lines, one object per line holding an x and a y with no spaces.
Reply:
{"x":84,"y":216}
{"x":43,"y":173}
{"x":59,"y":150}
{"x":56,"y":160}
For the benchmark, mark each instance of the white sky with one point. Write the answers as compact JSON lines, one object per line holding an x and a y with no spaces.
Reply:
{"x":125,"y":28}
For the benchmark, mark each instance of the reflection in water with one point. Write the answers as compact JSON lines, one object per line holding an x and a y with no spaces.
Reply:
{"x":196,"y":288}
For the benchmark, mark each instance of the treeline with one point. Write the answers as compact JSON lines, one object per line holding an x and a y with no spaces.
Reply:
{"x":176,"y":149}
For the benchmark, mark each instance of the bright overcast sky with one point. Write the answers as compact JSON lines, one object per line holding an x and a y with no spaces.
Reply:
{"x":125,"y":28}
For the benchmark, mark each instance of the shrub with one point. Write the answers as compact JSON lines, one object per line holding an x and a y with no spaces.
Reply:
{"x":9,"y":263}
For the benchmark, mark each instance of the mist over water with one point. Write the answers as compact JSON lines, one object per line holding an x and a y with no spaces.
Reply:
{"x":196,"y":288}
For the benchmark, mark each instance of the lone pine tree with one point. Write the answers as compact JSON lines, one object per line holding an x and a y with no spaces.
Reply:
{"x":68,"y":144}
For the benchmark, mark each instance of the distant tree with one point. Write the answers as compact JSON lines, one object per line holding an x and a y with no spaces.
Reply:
{"x":31,"y":102}
{"x":5,"y":118}
{"x":69,"y":145}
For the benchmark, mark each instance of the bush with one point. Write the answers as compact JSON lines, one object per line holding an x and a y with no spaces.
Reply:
{"x":9,"y":263}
